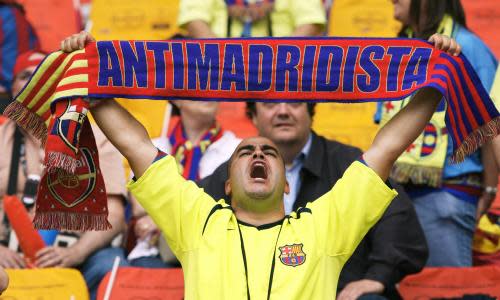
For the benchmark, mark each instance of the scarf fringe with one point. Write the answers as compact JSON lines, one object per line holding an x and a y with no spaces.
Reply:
{"x":404,"y":173}
{"x":62,"y":161}
{"x":477,"y":138}
{"x":27,"y":120}
{"x":71,"y":221}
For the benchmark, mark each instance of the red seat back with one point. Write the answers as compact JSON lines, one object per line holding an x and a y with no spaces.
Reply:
{"x":141,"y":283}
{"x":441,"y":283}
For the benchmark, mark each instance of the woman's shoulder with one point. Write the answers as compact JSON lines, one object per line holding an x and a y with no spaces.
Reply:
{"x":471,"y":43}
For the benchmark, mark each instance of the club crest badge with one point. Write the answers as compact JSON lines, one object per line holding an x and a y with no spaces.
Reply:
{"x":292,"y":255}
{"x":77,"y":187}
{"x":69,"y":125}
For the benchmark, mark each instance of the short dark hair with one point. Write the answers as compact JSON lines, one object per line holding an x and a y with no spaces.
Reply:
{"x":175,"y":110}
{"x":434,"y":12}
{"x":251,"y":109}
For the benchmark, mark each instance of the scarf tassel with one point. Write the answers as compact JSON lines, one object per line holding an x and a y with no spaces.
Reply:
{"x":477,"y":138}
{"x":403,"y":172}
{"x":71,"y":221}
{"x":27,"y":120}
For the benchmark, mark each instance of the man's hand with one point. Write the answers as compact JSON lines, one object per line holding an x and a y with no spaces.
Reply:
{"x":445,"y":43}
{"x":258,"y":11}
{"x":58,"y":257}
{"x":356,"y":289}
{"x":483,"y":205}
{"x":76,"y":41}
{"x":254,"y":12}
{"x":237,"y":12}
{"x":10,"y":259}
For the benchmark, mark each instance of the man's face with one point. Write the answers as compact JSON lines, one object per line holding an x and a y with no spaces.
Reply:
{"x":257,"y":173}
{"x":283,"y":122}
{"x":21,"y":79}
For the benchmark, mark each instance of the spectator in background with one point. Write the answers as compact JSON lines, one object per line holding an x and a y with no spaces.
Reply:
{"x":90,"y":251}
{"x":495,"y":96}
{"x":4,"y":280}
{"x":392,"y":249}
{"x":448,"y":197}
{"x":16,"y":36}
{"x":199,"y":145}
{"x":219,"y":18}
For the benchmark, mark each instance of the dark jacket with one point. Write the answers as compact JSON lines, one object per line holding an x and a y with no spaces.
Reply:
{"x":392,"y":249}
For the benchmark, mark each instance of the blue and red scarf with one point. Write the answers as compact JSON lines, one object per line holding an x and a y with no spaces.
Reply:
{"x":188,"y":154}
{"x":344,"y":70}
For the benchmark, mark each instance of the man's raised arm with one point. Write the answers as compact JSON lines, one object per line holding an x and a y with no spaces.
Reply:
{"x":119,"y":126}
{"x":126,"y":134}
{"x":401,"y":131}
{"x":409,"y":123}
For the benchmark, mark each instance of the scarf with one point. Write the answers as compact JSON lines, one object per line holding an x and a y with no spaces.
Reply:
{"x":423,"y":161}
{"x":187,"y":154}
{"x":53,"y":104}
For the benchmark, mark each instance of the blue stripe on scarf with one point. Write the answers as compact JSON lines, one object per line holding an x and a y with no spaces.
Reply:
{"x":474,"y":78}
{"x":456,"y":89}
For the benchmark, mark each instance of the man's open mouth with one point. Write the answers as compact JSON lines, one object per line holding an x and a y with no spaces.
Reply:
{"x":258,"y":170}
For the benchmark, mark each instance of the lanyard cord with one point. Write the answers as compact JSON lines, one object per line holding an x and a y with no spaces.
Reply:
{"x":273,"y":263}
{"x":269,"y":26}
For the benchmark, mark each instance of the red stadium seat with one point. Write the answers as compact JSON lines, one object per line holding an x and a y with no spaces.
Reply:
{"x":141,"y":283}
{"x":452,"y":283}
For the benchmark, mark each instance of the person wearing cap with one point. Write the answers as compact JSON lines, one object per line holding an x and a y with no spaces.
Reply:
{"x":90,"y":252}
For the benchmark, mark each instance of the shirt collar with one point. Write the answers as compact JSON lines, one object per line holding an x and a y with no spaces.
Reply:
{"x":299,"y":159}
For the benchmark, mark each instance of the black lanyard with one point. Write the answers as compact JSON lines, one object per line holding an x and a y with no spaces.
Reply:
{"x":273,"y":262}
{"x":18,"y":154}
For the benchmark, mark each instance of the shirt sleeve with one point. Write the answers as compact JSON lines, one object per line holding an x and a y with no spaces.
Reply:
{"x":344,"y":215}
{"x":307,"y":12}
{"x":190,"y":10}
{"x":495,"y":90}
{"x":176,"y":205}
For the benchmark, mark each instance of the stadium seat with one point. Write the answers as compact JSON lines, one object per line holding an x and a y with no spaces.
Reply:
{"x":452,"y":283}
{"x":142,"y":283}
{"x":50,"y":283}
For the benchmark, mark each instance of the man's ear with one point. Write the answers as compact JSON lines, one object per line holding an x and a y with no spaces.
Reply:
{"x":287,"y":187}
{"x":227,"y":187}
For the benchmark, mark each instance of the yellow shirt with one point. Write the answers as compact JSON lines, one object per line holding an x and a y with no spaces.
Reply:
{"x":299,"y":257}
{"x":287,"y":15}
{"x":495,"y":90}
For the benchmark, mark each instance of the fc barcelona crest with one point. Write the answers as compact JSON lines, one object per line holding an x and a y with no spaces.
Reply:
{"x":292,"y":255}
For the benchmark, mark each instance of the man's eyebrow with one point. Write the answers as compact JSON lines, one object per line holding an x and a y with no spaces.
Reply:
{"x":246,"y":147}
{"x":269,"y":147}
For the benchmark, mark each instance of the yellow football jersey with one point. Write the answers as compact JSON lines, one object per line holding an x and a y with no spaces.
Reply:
{"x":299,"y":257}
